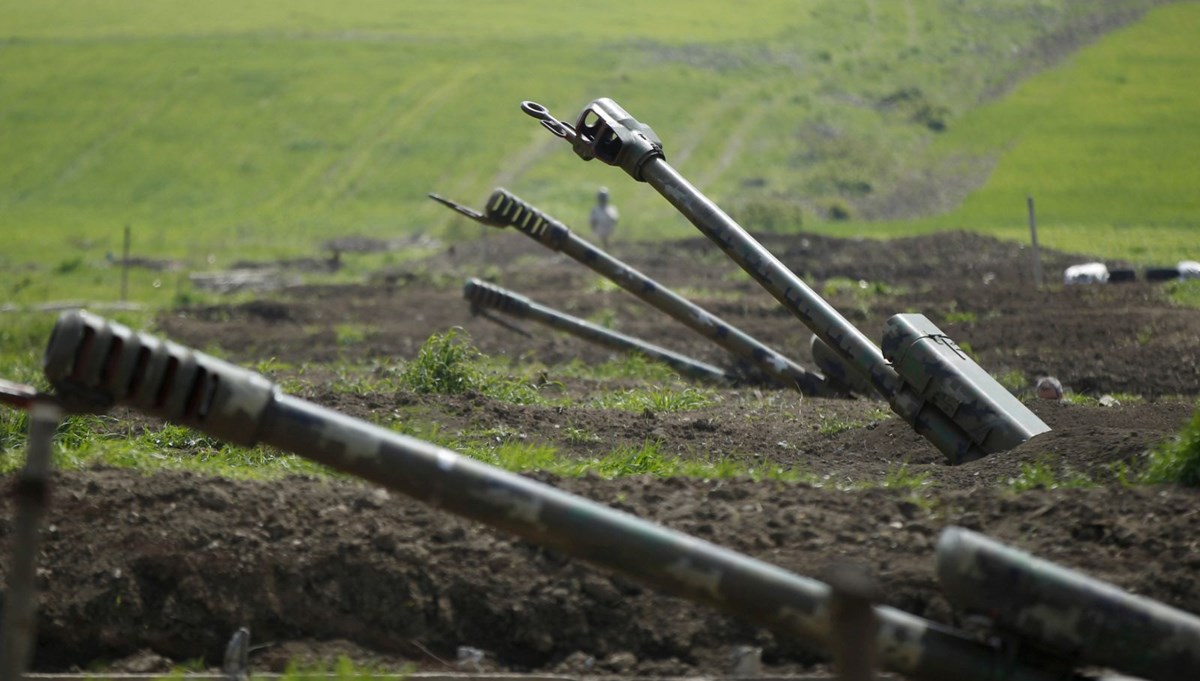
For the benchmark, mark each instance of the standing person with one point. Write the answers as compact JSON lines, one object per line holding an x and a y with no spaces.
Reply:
{"x":603,"y":218}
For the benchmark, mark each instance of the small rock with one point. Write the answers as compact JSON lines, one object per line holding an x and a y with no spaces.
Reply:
{"x":144,"y":661}
{"x":745,"y":662}
{"x":621,"y":662}
{"x":1109,"y":401}
{"x":466,"y":656}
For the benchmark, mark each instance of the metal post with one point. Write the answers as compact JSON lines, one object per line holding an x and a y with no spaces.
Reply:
{"x":125,"y":266}
{"x":31,"y":491}
{"x":1037,"y":254}
{"x":853,"y":622}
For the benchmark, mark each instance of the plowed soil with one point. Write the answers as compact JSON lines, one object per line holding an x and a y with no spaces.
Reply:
{"x":142,"y":572}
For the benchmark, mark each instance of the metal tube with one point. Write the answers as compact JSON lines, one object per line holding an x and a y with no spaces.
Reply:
{"x":18,"y":626}
{"x":505,"y":208}
{"x":1083,"y":619}
{"x":795,"y":295}
{"x":215,"y":397}
{"x":811,"y":309}
{"x":933,"y":386}
{"x":498,"y":298}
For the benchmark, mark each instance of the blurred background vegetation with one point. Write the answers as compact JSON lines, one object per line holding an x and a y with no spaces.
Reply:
{"x":224,"y":131}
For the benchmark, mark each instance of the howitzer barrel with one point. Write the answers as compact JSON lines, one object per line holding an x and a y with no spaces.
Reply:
{"x":1080,"y":618}
{"x":94,"y":363}
{"x":504,"y":208}
{"x":963,"y":428}
{"x":495,"y":297}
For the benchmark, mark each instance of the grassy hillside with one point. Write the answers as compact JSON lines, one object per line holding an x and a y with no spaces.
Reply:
{"x":220,"y":131}
{"x":1106,"y":144}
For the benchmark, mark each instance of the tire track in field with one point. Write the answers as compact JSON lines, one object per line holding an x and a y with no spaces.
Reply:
{"x":389,"y":128}
{"x":316,"y":177}
{"x":92,"y":152}
{"x":697,"y":133}
{"x":736,"y":140}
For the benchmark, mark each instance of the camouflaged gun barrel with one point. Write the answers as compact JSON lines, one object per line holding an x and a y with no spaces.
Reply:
{"x":507,"y":210}
{"x":495,"y":297}
{"x":93,"y":364}
{"x":927,"y":380}
{"x":1086,"y":621}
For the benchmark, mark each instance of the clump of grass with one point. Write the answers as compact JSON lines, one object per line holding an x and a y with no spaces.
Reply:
{"x":833,"y":424}
{"x":900,"y":478}
{"x":627,"y":366}
{"x":444,"y":365}
{"x":580,"y":436}
{"x":448,"y":364}
{"x":1177,"y":461}
{"x":957,"y":316}
{"x":657,"y":399}
{"x":1042,"y":475}
{"x":517,"y":455}
{"x":349,"y":334}
{"x":344,"y":669}
{"x":1185,"y":293}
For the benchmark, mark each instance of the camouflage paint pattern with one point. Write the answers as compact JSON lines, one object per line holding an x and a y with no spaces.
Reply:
{"x":943,"y":375}
{"x":602,"y":125}
{"x":1085,"y":620}
{"x":495,"y":297}
{"x":203,"y":393}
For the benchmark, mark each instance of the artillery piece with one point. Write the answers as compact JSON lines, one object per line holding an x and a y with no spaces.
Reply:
{"x":925,"y":377}
{"x":1051,"y":619}
{"x":485,"y":295}
{"x":505,"y":209}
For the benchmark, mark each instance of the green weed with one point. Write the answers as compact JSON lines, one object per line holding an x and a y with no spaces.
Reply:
{"x":627,"y":366}
{"x":959,"y":317}
{"x":580,"y":436}
{"x":448,"y":364}
{"x":1177,"y":461}
{"x":1042,"y":475}
{"x":444,"y":365}
{"x":1185,"y":293}
{"x":656,"y":399}
{"x":349,"y":334}
{"x":1013,"y":379}
{"x":901,"y":478}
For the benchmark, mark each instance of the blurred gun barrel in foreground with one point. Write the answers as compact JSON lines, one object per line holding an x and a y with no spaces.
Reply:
{"x":487,"y":295}
{"x":504,"y":209}
{"x":1082,"y":620}
{"x":925,"y":377}
{"x":93,"y":364}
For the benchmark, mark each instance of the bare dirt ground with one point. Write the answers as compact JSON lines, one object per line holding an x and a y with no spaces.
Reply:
{"x":146,"y":571}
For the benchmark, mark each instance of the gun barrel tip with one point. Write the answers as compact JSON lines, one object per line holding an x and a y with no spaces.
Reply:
{"x":534,"y":109}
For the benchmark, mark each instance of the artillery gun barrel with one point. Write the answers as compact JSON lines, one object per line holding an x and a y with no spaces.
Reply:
{"x":1084,"y":619}
{"x":93,"y":363}
{"x":942,"y":394}
{"x":506,"y":209}
{"x":495,"y":297}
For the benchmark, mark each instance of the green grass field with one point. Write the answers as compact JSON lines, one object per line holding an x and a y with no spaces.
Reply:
{"x":1106,"y":144}
{"x":222,"y":131}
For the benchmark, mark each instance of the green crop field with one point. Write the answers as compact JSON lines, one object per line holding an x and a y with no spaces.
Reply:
{"x":224,"y":131}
